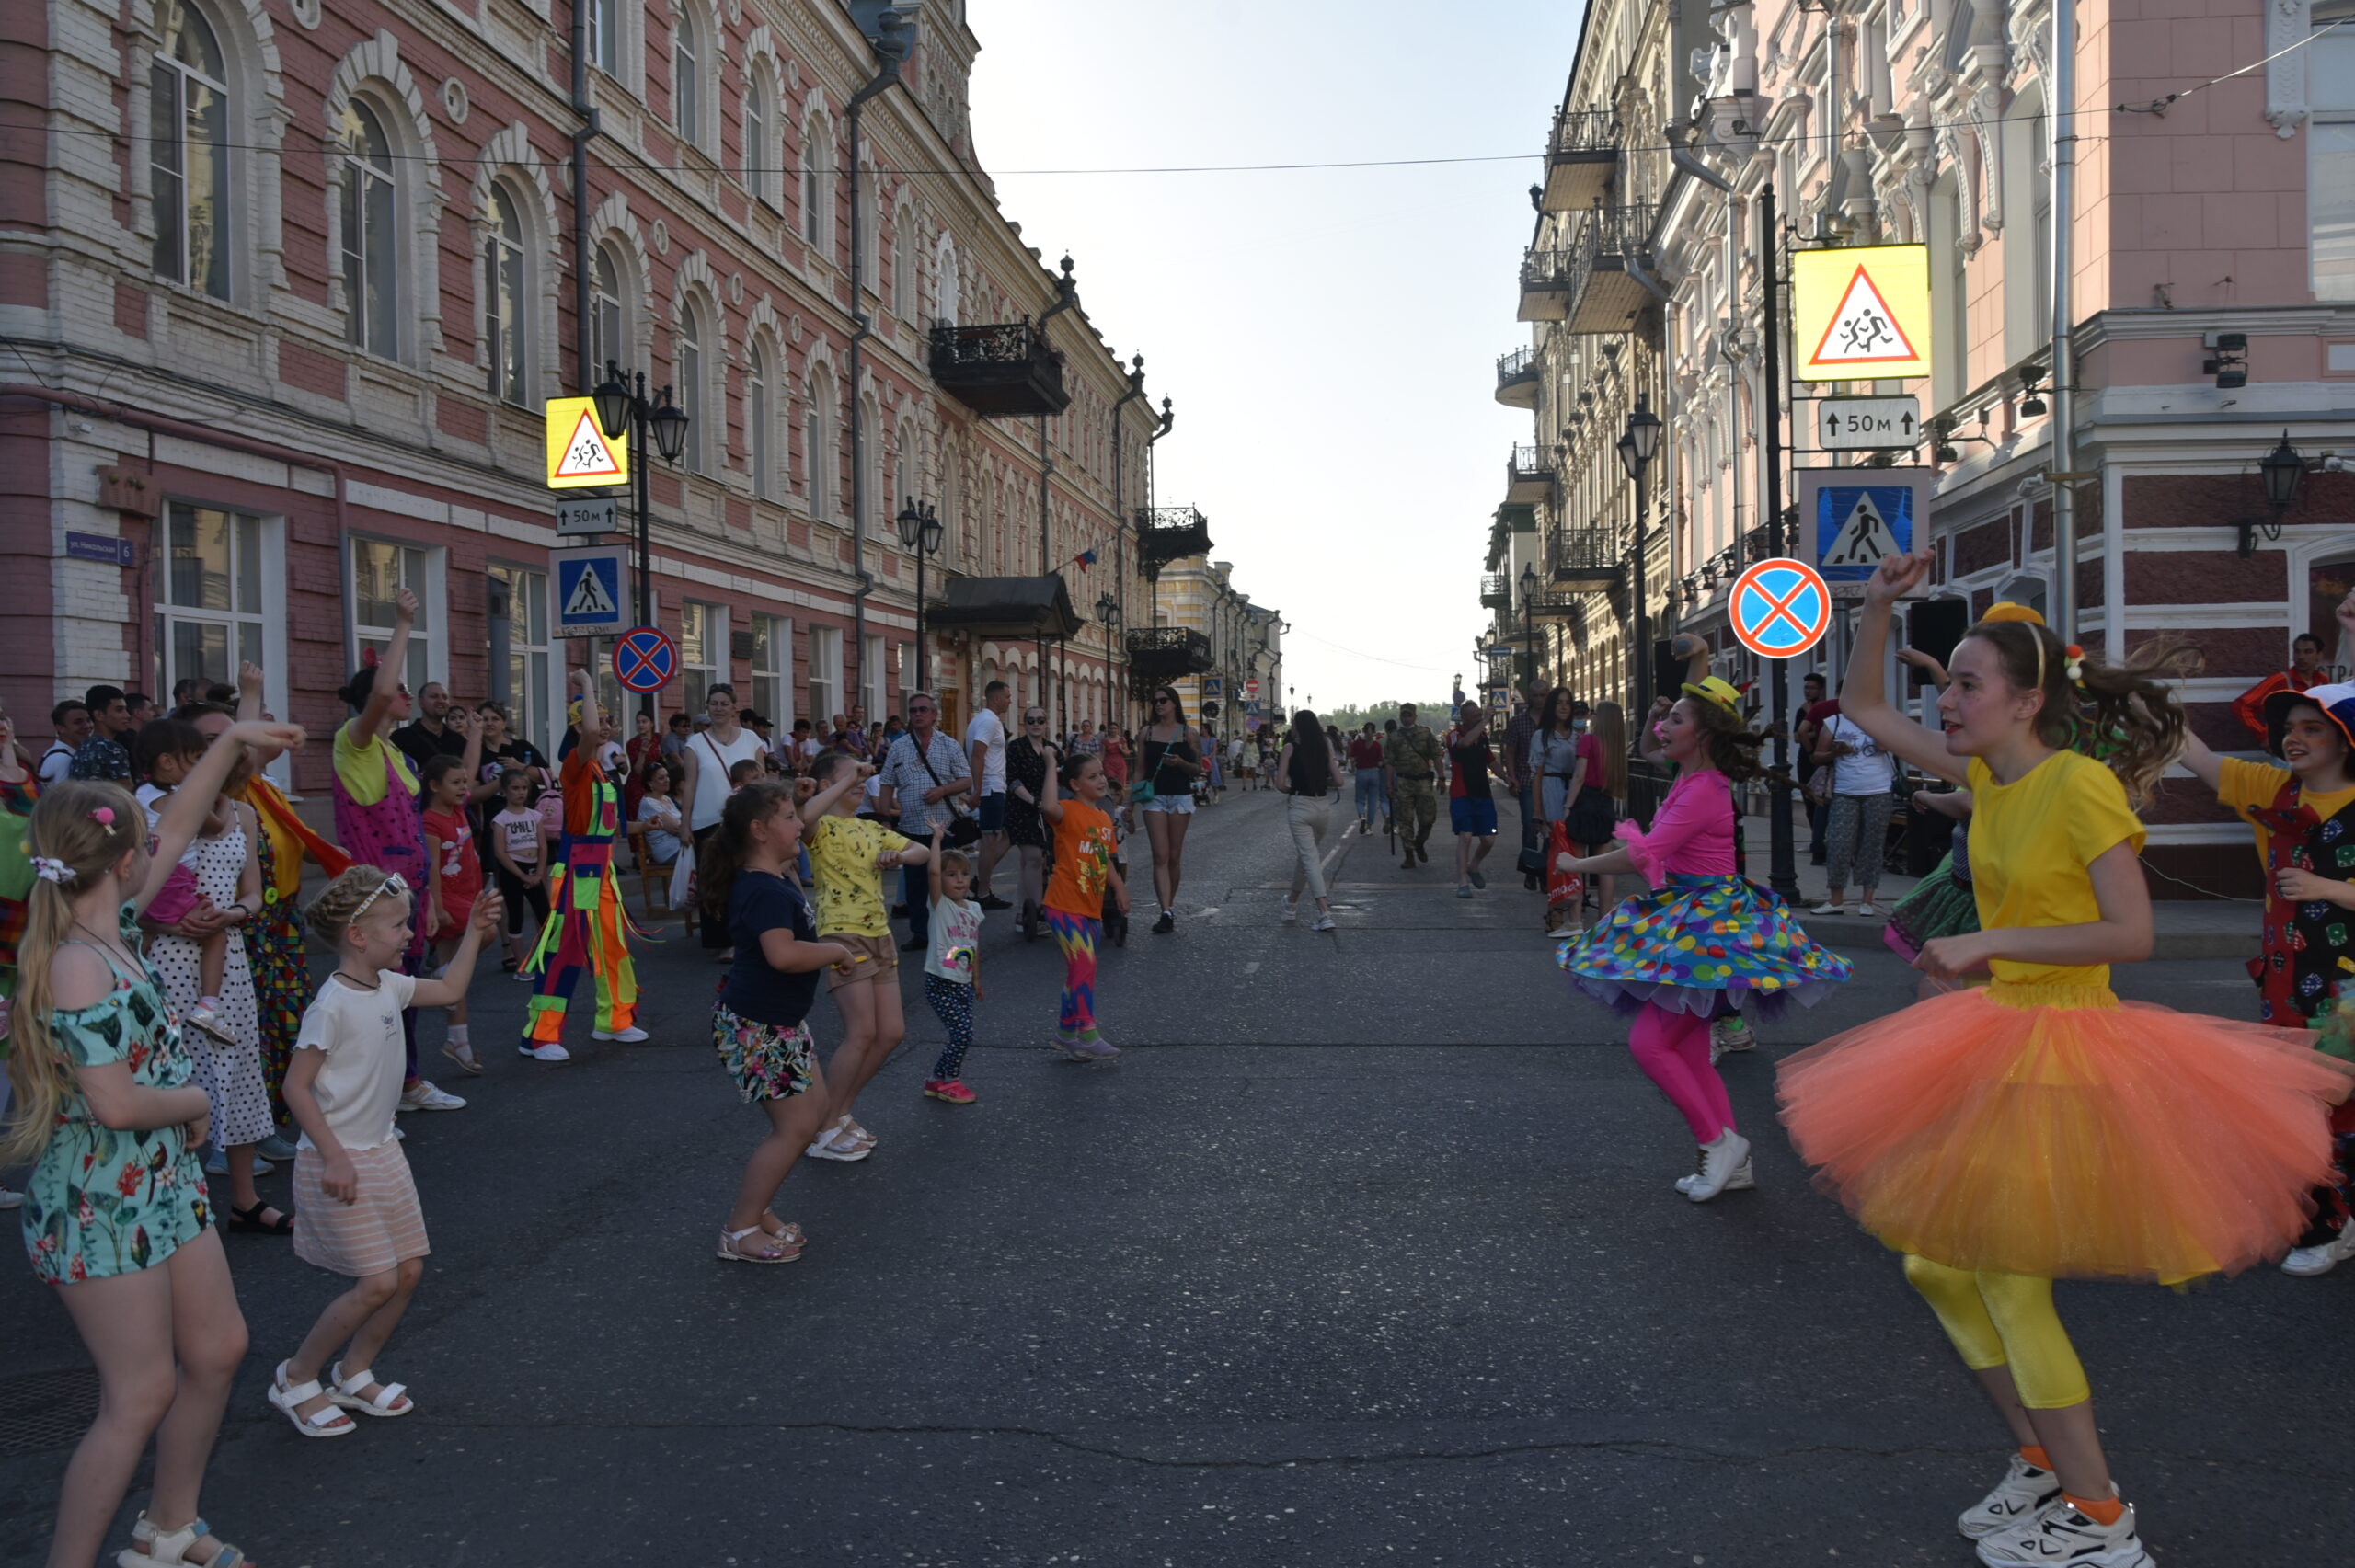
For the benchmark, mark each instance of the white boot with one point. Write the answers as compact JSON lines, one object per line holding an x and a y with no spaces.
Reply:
{"x":1722,"y":1159}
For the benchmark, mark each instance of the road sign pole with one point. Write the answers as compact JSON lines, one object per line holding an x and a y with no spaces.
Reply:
{"x":1782,"y":856}
{"x":645,"y":533}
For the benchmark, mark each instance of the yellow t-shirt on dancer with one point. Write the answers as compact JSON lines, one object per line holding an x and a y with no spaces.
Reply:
{"x":2031,"y":843}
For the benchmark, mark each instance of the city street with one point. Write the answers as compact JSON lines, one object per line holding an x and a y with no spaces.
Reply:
{"x":1364,"y":1253}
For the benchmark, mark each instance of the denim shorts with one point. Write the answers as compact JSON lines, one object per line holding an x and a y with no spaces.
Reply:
{"x":991,"y":813}
{"x":1476,"y":815}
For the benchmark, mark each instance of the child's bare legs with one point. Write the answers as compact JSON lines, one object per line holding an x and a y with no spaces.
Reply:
{"x":136,"y":1326}
{"x":1034,"y":877}
{"x":456,"y":1042}
{"x":240,"y":1157}
{"x":873,"y":1026}
{"x":212,"y":963}
{"x":359,"y":1321}
{"x":792,"y":1123}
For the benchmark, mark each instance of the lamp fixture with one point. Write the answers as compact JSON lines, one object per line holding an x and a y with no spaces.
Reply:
{"x":2282,"y":470}
{"x":2227,"y":359}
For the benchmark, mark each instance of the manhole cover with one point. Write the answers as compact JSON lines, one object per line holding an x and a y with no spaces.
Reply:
{"x":47,"y":1410}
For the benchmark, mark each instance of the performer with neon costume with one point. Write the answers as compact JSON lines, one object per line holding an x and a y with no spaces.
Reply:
{"x":587,"y":926}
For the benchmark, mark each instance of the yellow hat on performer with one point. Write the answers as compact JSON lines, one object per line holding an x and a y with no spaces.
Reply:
{"x":1713,"y":689}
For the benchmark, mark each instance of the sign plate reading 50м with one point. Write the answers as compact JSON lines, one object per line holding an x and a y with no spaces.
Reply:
{"x":1868,"y":424}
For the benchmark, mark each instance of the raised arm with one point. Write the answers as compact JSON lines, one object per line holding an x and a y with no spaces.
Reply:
{"x":1051,"y":805}
{"x":2205,"y":765}
{"x":848,"y":778}
{"x":1864,"y":699}
{"x":190,"y":804}
{"x":388,"y":671}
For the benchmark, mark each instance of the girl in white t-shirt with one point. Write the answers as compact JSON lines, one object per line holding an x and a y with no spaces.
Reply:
{"x":952,"y":969}
{"x":519,"y":851}
{"x":343,"y":1087}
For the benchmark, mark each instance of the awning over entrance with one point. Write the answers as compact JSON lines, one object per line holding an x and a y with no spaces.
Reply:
{"x":1007,"y":607}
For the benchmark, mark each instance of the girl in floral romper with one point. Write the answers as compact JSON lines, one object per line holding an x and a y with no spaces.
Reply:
{"x":116,"y":1216}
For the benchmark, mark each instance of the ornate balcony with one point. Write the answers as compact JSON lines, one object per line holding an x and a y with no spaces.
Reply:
{"x":1517,"y":379}
{"x":1601,"y":292}
{"x":1496,"y":591}
{"x":1007,"y":369}
{"x":1581,"y":159}
{"x":1562,"y":604}
{"x":1585,"y":560}
{"x":1544,"y":285}
{"x":1528,"y":475}
{"x":1170,"y":533}
{"x":1165,"y":653}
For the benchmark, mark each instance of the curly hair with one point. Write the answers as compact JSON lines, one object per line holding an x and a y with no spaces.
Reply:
{"x":2126,"y":715}
{"x":1730,"y":745}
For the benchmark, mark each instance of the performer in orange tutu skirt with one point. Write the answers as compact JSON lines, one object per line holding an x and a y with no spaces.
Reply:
{"x":2037,"y":1128}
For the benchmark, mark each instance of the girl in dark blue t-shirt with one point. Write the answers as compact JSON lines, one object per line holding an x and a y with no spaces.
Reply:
{"x":758,"y":1023}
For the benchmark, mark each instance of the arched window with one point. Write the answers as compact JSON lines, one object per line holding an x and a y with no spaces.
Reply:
{"x":686,"y":82}
{"x":606,"y":344}
{"x":505,"y":303}
{"x":759,"y":157}
{"x":605,"y":36}
{"x":370,"y":275}
{"x":903,"y":471}
{"x":818,"y":453}
{"x":903,"y":262}
{"x":944,"y":286}
{"x":757,"y":416}
{"x":691,"y":384}
{"x":869,"y":229}
{"x":188,"y":151}
{"x":816,"y":164}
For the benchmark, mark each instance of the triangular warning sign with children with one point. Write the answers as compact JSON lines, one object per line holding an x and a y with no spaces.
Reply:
{"x":587,"y":454}
{"x":1865,"y":539}
{"x":1863,"y":332}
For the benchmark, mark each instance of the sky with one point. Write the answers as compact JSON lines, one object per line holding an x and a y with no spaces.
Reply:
{"x":1329,"y":336}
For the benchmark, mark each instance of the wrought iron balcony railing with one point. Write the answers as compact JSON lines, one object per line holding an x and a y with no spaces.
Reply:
{"x":1496,"y":591}
{"x":1005,"y":369}
{"x":1604,"y":294}
{"x":1529,"y":475}
{"x":1545,"y":284}
{"x":1581,"y":159}
{"x":1165,"y":653}
{"x":1170,"y":533}
{"x":1585,"y":559}
{"x":1517,"y":379}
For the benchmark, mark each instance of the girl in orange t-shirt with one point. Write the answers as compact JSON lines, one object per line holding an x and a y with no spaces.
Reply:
{"x":1085,"y":848}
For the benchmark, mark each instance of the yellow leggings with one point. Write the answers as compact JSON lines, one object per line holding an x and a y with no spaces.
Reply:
{"x":2004,"y":1319}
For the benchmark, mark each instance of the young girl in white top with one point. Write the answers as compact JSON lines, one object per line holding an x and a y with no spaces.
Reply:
{"x":168,"y":749}
{"x":952,"y":969}
{"x":343,"y":1088}
{"x":519,"y":847}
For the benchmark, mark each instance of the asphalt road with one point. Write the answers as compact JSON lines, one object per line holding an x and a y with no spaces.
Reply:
{"x":1366,"y":1252}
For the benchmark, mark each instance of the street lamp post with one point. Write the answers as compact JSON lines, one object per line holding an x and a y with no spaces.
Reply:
{"x":920,"y":533}
{"x":1636,"y":448}
{"x":1529,"y":615}
{"x":622,"y":404}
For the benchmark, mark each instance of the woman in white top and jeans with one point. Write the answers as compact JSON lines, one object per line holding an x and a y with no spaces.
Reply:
{"x":1306,"y":773}
{"x":707,"y":758}
{"x":1857,"y":832}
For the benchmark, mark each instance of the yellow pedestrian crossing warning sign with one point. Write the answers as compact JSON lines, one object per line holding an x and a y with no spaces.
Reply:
{"x":580,"y":453}
{"x":1861,"y":313}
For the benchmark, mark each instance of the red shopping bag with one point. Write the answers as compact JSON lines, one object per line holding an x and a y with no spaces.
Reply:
{"x":1563,"y":889}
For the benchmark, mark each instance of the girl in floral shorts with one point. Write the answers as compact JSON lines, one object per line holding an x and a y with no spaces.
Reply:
{"x":758,"y":1023}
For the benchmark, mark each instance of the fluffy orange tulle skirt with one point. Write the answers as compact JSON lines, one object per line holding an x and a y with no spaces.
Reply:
{"x":2057,"y":1131}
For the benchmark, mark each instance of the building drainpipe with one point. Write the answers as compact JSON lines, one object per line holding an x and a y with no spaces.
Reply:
{"x":1120,"y":516}
{"x":862,"y":328}
{"x":1066,"y":295}
{"x":589,"y":130}
{"x":1169,"y":418}
{"x":2060,"y":109}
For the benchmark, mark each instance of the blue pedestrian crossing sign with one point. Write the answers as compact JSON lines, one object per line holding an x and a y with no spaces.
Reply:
{"x":592,"y":592}
{"x":1857,"y":518}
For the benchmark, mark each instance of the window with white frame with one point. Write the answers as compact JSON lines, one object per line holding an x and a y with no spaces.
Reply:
{"x":818,"y":449}
{"x":189,"y":151}
{"x":530,"y":665}
{"x":604,"y":18}
{"x":371,"y":235}
{"x":872,"y":674}
{"x":911,"y":678}
{"x":686,"y":76}
{"x":773,"y":670}
{"x":703,"y":651}
{"x":903,"y":263}
{"x":614,"y":700}
{"x":380,"y":568}
{"x":825,"y":673}
{"x":903,"y":471}
{"x":505,"y":310}
{"x":758,"y":417}
{"x":606,"y":340}
{"x":869,"y":229}
{"x":691,"y":383}
{"x":2330,"y":155}
{"x":817,"y":167}
{"x":210,"y":594}
{"x":758,"y":160}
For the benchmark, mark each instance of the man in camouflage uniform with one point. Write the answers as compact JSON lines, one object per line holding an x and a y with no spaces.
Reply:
{"x":1412,"y":754}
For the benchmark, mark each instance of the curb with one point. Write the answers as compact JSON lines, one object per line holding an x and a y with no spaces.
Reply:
{"x":2171,"y":946}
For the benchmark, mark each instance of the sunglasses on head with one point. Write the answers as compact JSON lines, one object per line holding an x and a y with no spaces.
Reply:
{"x":391,"y":884}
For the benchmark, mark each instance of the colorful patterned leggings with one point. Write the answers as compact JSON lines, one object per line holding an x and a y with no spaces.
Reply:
{"x":1077,"y":936}
{"x":952,"y":1004}
{"x":1998,"y":1319}
{"x":1673,"y":1050}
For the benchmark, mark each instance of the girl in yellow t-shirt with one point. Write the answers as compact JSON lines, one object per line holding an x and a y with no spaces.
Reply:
{"x":2034,"y":1128}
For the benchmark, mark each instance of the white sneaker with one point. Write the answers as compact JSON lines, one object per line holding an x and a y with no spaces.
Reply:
{"x":1291,"y":910}
{"x":424,"y":1096}
{"x":629,"y":1037}
{"x":549,"y":1052}
{"x":1829,"y":909}
{"x":2024,"y":1493}
{"x":2307,"y":1262}
{"x":2061,"y":1534}
{"x":1721,"y":1161}
{"x":1869,"y":910}
{"x":1322,"y":922}
{"x":1742,"y":1180}
{"x":1731,"y":1033}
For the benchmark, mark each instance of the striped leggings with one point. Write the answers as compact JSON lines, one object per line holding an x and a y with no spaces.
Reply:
{"x":1077,"y":936}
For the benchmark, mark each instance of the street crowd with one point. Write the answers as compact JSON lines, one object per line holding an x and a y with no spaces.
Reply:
{"x":2015,"y":1125}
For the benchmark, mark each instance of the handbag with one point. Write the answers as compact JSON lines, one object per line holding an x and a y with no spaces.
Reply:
{"x":964,"y":830}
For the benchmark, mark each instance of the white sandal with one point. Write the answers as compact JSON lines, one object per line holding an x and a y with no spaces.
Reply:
{"x":169,"y":1549}
{"x":731,"y":1250}
{"x":325,"y":1422}
{"x":346,"y":1392}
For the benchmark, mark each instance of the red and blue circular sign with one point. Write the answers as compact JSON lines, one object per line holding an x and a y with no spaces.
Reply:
{"x":1780,"y":608}
{"x":644,"y":659}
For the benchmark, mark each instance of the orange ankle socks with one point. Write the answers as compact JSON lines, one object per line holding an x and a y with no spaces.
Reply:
{"x":2036,"y":1456}
{"x":2104,"y":1511}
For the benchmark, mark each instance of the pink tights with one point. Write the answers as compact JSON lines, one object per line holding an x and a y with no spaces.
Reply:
{"x":1673,"y":1050}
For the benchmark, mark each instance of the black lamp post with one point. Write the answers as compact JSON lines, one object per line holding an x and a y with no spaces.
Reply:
{"x":622,"y":405}
{"x":1636,"y":448}
{"x":1529,"y":615}
{"x":2282,"y":469}
{"x":920,"y":533}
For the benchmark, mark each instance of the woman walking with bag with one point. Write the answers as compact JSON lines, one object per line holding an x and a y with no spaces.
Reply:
{"x":1573,"y":798}
{"x":1305,"y":772}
